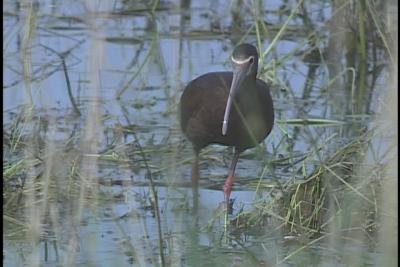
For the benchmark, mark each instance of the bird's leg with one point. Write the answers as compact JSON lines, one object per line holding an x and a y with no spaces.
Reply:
{"x":229,"y":181}
{"x":195,"y":169}
{"x":195,"y":181}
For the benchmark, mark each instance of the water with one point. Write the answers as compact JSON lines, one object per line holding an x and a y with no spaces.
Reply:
{"x":113,"y":221}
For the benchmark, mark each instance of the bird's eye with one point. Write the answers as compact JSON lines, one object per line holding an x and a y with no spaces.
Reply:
{"x":251,"y":60}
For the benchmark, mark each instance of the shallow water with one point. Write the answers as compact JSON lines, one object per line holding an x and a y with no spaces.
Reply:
{"x":120,"y":40}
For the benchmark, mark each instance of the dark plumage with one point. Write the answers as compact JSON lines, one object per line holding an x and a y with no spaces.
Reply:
{"x":245,"y":106}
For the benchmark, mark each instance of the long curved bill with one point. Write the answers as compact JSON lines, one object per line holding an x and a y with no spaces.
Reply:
{"x":238,"y":76}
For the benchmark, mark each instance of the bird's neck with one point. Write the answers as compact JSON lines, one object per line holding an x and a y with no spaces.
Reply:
{"x":247,"y":89}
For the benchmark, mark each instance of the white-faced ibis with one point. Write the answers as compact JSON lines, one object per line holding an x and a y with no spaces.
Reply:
{"x":228,"y":108}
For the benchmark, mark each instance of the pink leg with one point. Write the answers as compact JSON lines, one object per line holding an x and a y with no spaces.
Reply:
{"x":231,"y":175}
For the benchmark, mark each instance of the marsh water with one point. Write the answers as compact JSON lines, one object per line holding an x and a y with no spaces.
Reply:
{"x":92,"y":136}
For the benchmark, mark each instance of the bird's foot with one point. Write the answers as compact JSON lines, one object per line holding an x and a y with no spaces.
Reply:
{"x":227,"y":193}
{"x":229,"y":205}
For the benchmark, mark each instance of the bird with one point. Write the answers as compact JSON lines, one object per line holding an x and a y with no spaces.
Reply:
{"x":233,"y":109}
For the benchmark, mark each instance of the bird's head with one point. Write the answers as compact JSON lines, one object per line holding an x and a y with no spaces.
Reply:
{"x":245,"y":63}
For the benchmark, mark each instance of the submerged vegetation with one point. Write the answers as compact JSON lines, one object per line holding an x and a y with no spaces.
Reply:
{"x":96,"y":171}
